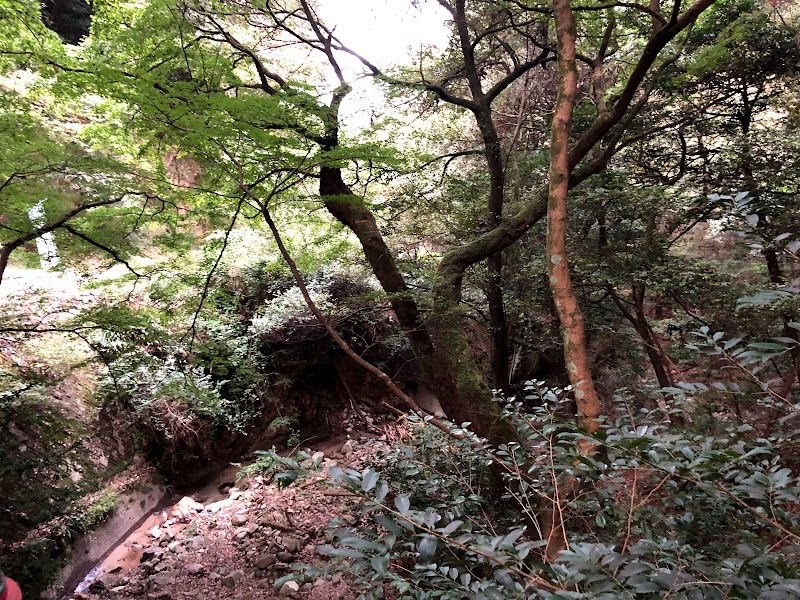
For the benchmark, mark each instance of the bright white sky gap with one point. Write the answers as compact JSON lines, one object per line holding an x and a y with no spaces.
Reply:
{"x":385,"y":32}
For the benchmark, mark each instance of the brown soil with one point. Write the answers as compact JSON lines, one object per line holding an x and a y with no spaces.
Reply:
{"x":235,"y":542}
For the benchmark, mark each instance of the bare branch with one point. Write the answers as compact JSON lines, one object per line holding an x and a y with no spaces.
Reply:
{"x":207,"y":283}
{"x":110,"y":251}
{"x":640,"y":7}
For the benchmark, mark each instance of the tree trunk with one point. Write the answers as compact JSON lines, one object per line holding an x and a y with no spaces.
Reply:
{"x":498,"y":324}
{"x":653,"y":350}
{"x":572,"y":328}
{"x":652,"y":347}
{"x":773,"y":265}
{"x":494,"y":264}
{"x":347,"y":208}
{"x":448,"y":367}
{"x":482,"y":109}
{"x":569,"y":312}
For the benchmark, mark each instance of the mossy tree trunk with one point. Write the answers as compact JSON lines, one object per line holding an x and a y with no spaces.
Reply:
{"x":442,"y":347}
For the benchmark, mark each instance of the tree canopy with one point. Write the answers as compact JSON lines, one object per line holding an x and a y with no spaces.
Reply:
{"x":598,"y":195}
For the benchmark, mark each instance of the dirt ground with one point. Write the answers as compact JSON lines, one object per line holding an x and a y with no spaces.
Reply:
{"x":235,"y":539}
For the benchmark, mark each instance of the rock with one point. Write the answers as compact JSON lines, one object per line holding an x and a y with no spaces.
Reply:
{"x":238,"y":520}
{"x":252,"y":528}
{"x":197,"y":541}
{"x":161,"y":595}
{"x":276,"y":518}
{"x":285,"y":556}
{"x":231,"y":579}
{"x":161,"y":580}
{"x":289,"y":588}
{"x":153,"y":552}
{"x":195,"y":568}
{"x":348,"y":448}
{"x":174,"y":547}
{"x":214,"y":507}
{"x":266,"y":560}
{"x":188,"y":504}
{"x":292,"y":544}
{"x":97,"y":587}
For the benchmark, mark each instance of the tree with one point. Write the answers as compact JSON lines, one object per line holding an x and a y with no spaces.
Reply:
{"x":216,"y":90}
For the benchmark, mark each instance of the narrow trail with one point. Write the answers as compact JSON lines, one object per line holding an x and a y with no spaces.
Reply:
{"x":235,"y":539}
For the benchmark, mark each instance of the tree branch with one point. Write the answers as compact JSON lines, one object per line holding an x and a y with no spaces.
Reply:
{"x":110,"y":251}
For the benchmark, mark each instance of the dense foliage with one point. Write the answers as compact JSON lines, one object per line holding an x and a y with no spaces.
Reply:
{"x":235,"y":237}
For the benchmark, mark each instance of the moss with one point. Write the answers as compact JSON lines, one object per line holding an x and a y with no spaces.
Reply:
{"x":41,"y":449}
{"x":471,"y":399}
{"x":98,"y":511}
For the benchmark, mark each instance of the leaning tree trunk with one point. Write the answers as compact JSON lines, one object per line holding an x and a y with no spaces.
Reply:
{"x":448,"y":366}
{"x":457,"y":399}
{"x":653,"y":349}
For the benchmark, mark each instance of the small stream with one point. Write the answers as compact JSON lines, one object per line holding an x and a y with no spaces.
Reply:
{"x":132,"y":510}
{"x":137,"y":513}
{"x":118,"y":543}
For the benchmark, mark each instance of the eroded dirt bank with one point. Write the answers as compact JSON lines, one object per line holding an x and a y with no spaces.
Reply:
{"x":131,"y":514}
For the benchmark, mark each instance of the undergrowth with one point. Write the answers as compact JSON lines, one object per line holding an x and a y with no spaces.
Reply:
{"x":652,"y":512}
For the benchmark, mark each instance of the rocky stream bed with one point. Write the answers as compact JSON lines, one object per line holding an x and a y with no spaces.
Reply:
{"x":236,"y":541}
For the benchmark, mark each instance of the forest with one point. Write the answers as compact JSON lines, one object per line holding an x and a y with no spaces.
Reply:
{"x":507,"y":289}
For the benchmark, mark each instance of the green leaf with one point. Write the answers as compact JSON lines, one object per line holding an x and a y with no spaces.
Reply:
{"x":427,"y":547}
{"x":767,"y":346}
{"x":387,"y":523}
{"x":731,"y":343}
{"x":369,"y":480}
{"x":600,"y":520}
{"x":380,"y":564}
{"x":347,"y":552}
{"x":402,"y":503}
{"x":451,"y":527}
{"x":381,"y":492}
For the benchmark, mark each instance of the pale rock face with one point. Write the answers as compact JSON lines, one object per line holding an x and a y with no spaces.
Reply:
{"x":427,"y":400}
{"x":289,"y":588}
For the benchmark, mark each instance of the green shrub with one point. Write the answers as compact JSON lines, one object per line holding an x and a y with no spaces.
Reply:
{"x":653,"y":512}
{"x":98,"y":511}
